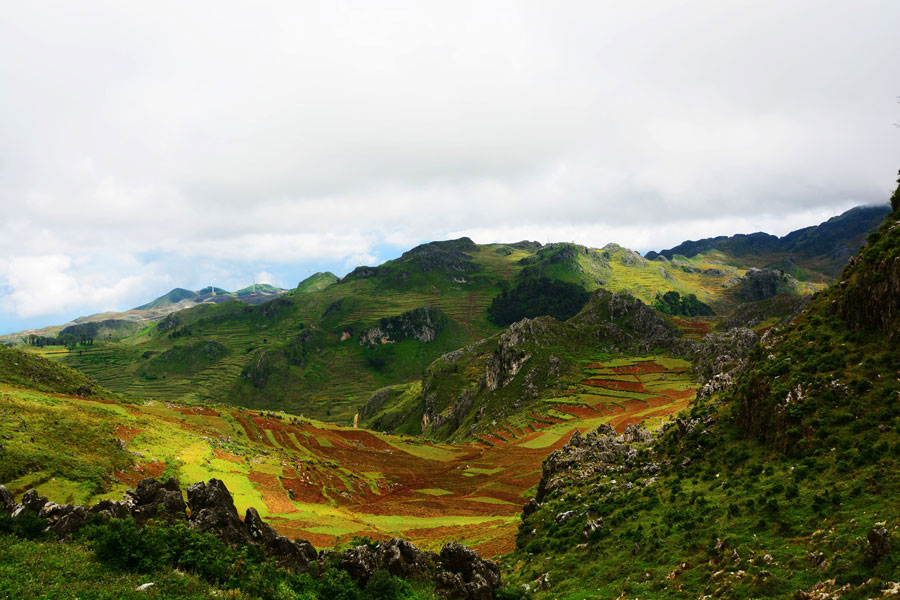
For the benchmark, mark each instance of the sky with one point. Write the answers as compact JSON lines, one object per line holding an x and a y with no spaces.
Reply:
{"x":152,"y":145}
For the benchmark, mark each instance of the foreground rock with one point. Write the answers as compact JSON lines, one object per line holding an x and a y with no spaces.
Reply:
{"x":458,"y":572}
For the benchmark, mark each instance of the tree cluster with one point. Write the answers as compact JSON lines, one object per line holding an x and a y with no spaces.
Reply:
{"x":673,"y":303}
{"x":537,"y":297}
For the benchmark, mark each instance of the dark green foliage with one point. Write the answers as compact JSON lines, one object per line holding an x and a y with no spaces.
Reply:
{"x":538,"y":297}
{"x":27,"y":526}
{"x":796,"y":459}
{"x":673,"y":303}
{"x":124,"y":545}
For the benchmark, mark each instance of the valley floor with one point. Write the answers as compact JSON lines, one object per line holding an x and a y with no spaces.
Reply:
{"x":321,"y":482}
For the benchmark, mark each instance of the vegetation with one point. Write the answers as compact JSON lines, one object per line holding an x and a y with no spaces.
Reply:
{"x":673,"y":303}
{"x":110,"y":559}
{"x":781,"y":487}
{"x":536,"y":298}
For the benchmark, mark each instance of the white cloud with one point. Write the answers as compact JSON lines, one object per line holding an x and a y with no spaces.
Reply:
{"x":155,"y":146}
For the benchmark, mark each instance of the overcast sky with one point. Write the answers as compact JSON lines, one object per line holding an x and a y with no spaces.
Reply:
{"x":150,"y":145}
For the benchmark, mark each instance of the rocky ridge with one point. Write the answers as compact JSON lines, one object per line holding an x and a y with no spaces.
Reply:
{"x":457,"y":571}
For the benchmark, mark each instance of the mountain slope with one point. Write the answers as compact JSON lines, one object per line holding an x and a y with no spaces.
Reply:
{"x":784,"y":485}
{"x":824,"y":248}
{"x":311,"y":350}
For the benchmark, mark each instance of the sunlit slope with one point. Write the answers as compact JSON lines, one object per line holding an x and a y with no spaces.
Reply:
{"x":317,"y":350}
{"x":316,"y":481}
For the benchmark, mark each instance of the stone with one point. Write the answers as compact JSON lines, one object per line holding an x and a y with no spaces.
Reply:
{"x":7,"y":503}
{"x":530,"y":507}
{"x":212,"y":509}
{"x":466,"y":574}
{"x":153,"y":498}
{"x":879,"y":543}
{"x":590,"y":527}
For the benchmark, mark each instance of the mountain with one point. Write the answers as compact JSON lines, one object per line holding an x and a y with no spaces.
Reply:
{"x":325,"y":347}
{"x":824,"y":248}
{"x":615,"y":451}
{"x":112,"y":326}
{"x":778,"y":481}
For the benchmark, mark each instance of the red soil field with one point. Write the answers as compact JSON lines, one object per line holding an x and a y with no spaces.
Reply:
{"x":624,"y":386}
{"x":134,"y":475}
{"x":127,"y":433}
{"x":638,"y":368}
{"x":227,"y":456}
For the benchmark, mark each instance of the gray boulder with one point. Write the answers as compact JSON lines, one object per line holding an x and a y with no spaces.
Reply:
{"x":7,"y":503}
{"x":31,"y":502}
{"x":154,"y":498}
{"x":466,"y":575}
{"x":212,"y":509}
{"x":295,"y":554}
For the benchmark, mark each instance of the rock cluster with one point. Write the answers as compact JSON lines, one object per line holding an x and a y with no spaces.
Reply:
{"x":586,"y":455}
{"x":457,"y":571}
{"x":423,"y":324}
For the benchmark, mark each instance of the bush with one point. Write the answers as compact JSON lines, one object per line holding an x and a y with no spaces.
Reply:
{"x":120,"y":543}
{"x":27,"y":526}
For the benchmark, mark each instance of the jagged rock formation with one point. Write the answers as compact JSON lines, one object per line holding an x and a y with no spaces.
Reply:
{"x":458,"y":572}
{"x":585,"y":456}
{"x":620,"y":321}
{"x":761,"y":284}
{"x":423,"y":324}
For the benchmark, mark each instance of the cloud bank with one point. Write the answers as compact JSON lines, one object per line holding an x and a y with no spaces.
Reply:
{"x":148,"y":145}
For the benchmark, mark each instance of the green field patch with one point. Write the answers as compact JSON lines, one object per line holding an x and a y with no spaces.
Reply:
{"x":324,"y":442}
{"x":434,"y":492}
{"x":489,"y":500}
{"x":481,"y":471}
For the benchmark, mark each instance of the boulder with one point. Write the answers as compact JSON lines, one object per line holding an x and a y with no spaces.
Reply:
{"x":466,"y":575}
{"x":112,"y":509}
{"x":153,"y":498}
{"x":63,"y":519}
{"x":531,"y":507}
{"x":212,"y":509}
{"x":7,"y":503}
{"x":879,"y":544}
{"x":31,"y":502}
{"x":359,"y":563}
{"x":590,"y":527}
{"x":295,"y":554}
{"x":402,"y":559}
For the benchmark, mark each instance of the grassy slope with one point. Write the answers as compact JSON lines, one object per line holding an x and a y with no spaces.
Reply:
{"x":338,"y":377}
{"x":802,"y":456}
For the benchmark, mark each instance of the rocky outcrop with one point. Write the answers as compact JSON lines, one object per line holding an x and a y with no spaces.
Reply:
{"x":212,"y":509}
{"x":7,"y":503}
{"x":869,"y":297}
{"x":466,"y":575}
{"x":720,"y":352}
{"x":458,"y":572}
{"x":449,"y":256}
{"x":584,"y":456}
{"x":423,"y":324}
{"x":621,"y":321}
{"x":761,"y":284}
{"x":513,"y":350}
{"x":153,"y":498}
{"x":294,"y":554}
{"x":63,"y":519}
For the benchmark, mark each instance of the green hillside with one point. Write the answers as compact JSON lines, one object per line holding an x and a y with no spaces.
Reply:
{"x":782,"y":486}
{"x":304,"y":351}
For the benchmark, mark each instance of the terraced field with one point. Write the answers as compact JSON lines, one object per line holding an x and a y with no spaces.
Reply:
{"x":323,"y":482}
